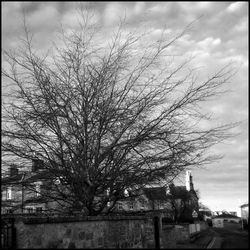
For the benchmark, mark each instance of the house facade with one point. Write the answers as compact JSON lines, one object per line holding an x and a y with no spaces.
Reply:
{"x":178,"y":202}
{"x":30,"y":192}
{"x":27,"y":192}
{"x":222,"y":219}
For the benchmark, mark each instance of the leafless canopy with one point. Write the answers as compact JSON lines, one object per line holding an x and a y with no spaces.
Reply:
{"x":104,"y":116}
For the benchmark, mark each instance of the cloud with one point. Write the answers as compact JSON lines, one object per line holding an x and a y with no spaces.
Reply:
{"x":159,"y":8}
{"x":113,"y":13}
{"x":209,"y":42}
{"x":204,"y":5}
{"x":44,"y":18}
{"x":241,"y":26}
{"x":235,"y":7}
{"x":139,"y":8}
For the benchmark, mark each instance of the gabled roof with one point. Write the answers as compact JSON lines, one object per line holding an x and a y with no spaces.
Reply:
{"x":12,"y":179}
{"x":227,"y":216}
{"x":40,"y":199}
{"x":39,"y":176}
{"x":244,"y":205}
{"x":178,"y":192}
{"x":156,"y":193}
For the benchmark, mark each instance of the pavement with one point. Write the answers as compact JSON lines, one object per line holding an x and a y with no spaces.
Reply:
{"x":231,"y":238}
{"x":213,"y":238}
{"x":204,"y":240}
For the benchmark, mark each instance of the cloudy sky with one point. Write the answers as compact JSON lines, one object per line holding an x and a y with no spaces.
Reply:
{"x":219,"y":36}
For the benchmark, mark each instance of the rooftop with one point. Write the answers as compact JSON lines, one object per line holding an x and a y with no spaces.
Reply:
{"x":244,"y":205}
{"x":227,"y":216}
{"x":12,"y":179}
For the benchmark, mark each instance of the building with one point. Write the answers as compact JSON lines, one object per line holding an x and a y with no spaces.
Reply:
{"x":222,"y":219}
{"x":27,"y":192}
{"x":178,"y":202}
{"x":12,"y":198}
{"x":244,"y":211}
{"x":244,"y":215}
{"x":32,"y":192}
{"x":205,"y":212}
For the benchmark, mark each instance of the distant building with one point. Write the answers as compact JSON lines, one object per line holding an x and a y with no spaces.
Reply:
{"x":222,"y":219}
{"x":148,"y":199}
{"x":182,"y":198}
{"x":205,"y":212}
{"x":244,"y":212}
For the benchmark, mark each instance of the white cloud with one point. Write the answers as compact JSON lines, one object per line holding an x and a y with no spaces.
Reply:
{"x":45,"y":17}
{"x":216,"y":41}
{"x":113,"y":12}
{"x":11,"y":6}
{"x":204,"y":5}
{"x":139,"y":7}
{"x":234,"y":7}
{"x":70,"y":18}
{"x":159,"y":8}
{"x":208,"y":42}
{"x":241,"y":26}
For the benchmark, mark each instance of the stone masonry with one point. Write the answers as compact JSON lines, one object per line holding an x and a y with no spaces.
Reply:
{"x":84,"y":232}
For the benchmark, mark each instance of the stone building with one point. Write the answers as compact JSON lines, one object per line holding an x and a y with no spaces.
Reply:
{"x":179,"y":202}
{"x":25,"y":192}
{"x":31,"y":192}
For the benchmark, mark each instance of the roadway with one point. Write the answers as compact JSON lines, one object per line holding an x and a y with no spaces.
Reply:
{"x":226,"y":238}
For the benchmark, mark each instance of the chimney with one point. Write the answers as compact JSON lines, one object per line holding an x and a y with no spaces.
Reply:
{"x":37,"y":164}
{"x":13,"y":171}
{"x":191,"y":183}
{"x":188,"y":186}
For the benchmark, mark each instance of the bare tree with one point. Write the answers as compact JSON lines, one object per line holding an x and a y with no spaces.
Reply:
{"x":106,"y":117}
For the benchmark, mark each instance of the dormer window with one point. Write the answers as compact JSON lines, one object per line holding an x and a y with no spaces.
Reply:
{"x":9,"y":193}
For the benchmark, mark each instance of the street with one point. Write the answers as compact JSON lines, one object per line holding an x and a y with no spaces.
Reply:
{"x":231,"y":238}
{"x":216,"y":238}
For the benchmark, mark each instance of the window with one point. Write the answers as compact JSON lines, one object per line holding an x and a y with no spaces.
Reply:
{"x":160,"y":204}
{"x":131,"y":206}
{"x":29,"y":210}
{"x":38,"y":190}
{"x":142,"y":204}
{"x":119,"y":206}
{"x":108,"y":191}
{"x":39,"y":209}
{"x":9,"y":193}
{"x":9,"y":211}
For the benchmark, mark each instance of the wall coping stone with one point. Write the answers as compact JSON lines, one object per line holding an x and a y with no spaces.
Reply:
{"x":66,"y":219}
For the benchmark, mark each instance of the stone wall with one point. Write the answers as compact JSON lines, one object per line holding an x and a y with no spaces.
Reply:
{"x":84,"y":232}
{"x":174,"y":234}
